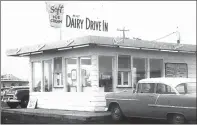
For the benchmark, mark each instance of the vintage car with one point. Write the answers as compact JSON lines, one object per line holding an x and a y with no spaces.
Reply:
{"x":15,"y":96}
{"x":171,"y":99}
{"x":3,"y":91}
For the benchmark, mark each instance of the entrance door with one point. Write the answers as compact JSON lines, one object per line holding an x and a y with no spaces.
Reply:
{"x":106,"y":73}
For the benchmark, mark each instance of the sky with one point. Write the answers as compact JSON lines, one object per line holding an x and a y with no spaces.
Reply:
{"x":26,"y":23}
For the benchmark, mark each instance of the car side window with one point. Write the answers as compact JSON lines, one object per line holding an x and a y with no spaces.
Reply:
{"x":181,"y":88}
{"x":147,"y":88}
{"x":164,"y":89}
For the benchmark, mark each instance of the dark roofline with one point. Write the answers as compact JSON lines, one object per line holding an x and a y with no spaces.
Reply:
{"x":102,"y":41}
{"x":14,"y":81}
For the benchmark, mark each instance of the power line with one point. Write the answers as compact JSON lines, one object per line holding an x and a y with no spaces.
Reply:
{"x":165,"y":36}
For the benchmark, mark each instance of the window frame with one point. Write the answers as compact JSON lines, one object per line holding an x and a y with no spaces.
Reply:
{"x":52,"y":73}
{"x":80,"y":70}
{"x":60,"y":72}
{"x":32,"y":75}
{"x":122,"y":70}
{"x":66,"y":74}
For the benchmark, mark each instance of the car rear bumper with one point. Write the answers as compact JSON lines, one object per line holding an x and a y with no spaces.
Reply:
{"x":10,"y":100}
{"x":106,"y":109}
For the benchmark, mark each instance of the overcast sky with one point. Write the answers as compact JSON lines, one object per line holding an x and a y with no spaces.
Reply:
{"x":27,"y":23}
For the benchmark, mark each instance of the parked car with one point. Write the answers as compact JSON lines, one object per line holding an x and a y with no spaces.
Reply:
{"x":3,"y":91}
{"x":17,"y":96}
{"x":172,"y":99}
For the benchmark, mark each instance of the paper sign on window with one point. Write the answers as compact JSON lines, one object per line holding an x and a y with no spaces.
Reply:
{"x":32,"y":103}
{"x":176,"y":70}
{"x":74,"y":74}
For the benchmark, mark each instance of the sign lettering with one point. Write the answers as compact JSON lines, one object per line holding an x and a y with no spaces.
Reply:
{"x":56,"y":12}
{"x":75,"y":22}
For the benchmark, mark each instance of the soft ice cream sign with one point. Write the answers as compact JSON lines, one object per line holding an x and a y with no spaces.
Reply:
{"x":56,"y":11}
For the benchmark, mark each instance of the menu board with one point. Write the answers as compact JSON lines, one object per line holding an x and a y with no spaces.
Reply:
{"x":176,"y":70}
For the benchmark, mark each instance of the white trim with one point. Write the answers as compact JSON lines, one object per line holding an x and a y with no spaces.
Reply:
{"x":33,"y":53}
{"x":126,"y":86}
{"x":186,"y":52}
{"x":81,"y":46}
{"x":128,"y":47}
{"x":164,"y":50}
{"x":149,"y":49}
{"x":106,"y":45}
{"x":25,"y":54}
{"x":66,"y":48}
{"x":123,"y":99}
{"x":169,"y":106}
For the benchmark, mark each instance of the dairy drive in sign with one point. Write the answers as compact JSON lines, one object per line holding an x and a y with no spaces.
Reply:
{"x":86,"y":23}
{"x":56,"y":11}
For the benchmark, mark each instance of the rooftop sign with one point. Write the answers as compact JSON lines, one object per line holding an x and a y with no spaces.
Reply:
{"x":56,"y":11}
{"x":87,"y":23}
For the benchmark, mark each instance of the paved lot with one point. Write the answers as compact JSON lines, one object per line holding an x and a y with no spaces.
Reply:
{"x":34,"y":116}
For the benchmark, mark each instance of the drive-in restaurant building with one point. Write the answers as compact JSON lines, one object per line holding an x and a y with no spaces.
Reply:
{"x":76,"y":74}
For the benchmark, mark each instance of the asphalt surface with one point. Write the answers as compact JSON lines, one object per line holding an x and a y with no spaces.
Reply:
{"x":13,"y":119}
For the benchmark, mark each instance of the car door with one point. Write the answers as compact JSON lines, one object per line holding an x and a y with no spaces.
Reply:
{"x":141,"y":100}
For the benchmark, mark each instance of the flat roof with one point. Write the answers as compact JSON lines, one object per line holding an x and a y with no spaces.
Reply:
{"x":101,"y":41}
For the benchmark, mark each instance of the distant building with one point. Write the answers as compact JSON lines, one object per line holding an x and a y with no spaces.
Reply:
{"x":9,"y":80}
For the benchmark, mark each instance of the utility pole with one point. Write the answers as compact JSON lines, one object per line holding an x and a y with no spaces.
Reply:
{"x":178,"y":36}
{"x":123,"y":30}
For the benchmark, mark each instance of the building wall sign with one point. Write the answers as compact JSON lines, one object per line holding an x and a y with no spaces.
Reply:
{"x":176,"y":70}
{"x":87,"y":23}
{"x":56,"y":11}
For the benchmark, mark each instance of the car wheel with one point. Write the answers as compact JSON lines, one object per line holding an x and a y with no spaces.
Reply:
{"x":24,"y":103}
{"x":116,"y":113}
{"x":12,"y":105}
{"x":177,"y":119}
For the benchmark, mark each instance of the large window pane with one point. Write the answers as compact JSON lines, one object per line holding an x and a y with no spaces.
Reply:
{"x":37,"y":76}
{"x":48,"y":76}
{"x":85,"y":71}
{"x":124,"y":69}
{"x":72,"y":74}
{"x":58,"y":72}
{"x":123,"y":78}
{"x":124,"y":62}
{"x":156,"y":66}
{"x":139,"y":65}
{"x":105,"y":73}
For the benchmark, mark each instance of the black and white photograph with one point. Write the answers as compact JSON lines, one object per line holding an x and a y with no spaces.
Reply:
{"x":98,"y":62}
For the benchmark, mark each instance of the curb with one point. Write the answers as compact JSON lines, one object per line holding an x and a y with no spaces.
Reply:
{"x":18,"y":117}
